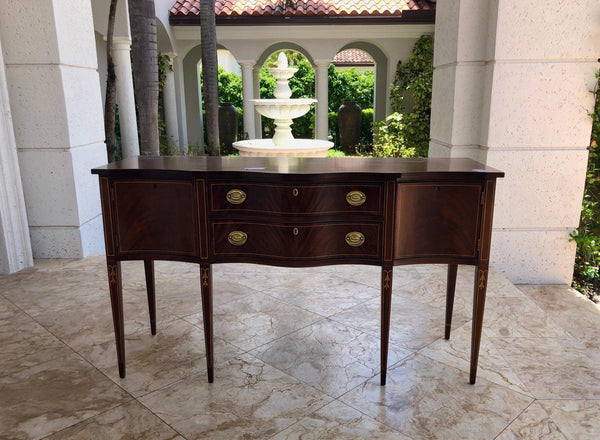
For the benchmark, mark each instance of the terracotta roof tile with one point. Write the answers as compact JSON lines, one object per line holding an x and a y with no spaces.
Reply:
{"x":233,"y":8}
{"x":353,"y":57}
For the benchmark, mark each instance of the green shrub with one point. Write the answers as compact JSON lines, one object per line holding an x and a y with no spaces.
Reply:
{"x":586,"y":276}
{"x":366,"y":131}
{"x":388,"y":138}
{"x":335,"y":153}
{"x":350,"y":85}
{"x":411,"y":96}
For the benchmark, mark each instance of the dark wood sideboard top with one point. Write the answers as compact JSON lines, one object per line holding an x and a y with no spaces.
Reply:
{"x":162,"y":166}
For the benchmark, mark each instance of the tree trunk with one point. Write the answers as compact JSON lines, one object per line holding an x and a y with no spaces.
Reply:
{"x":142,"y":20}
{"x":110,"y":103}
{"x":208,"y":37}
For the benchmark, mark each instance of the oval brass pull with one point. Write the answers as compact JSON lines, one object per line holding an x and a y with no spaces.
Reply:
{"x":236,"y":196}
{"x":295,"y":192}
{"x":295,"y":231}
{"x":356,"y":198}
{"x":355,"y":239}
{"x":237,"y":238}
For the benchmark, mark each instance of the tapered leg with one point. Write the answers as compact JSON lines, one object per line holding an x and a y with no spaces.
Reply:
{"x":386,"y":304}
{"x":207,"y":316}
{"x":450,"y":289}
{"x":116,"y":301}
{"x":478,"y":308}
{"x":149,"y":269}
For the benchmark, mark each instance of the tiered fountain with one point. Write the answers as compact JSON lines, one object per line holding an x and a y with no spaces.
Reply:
{"x":283,"y":109}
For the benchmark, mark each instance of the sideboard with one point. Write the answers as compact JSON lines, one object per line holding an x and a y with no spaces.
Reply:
{"x":298,"y":212}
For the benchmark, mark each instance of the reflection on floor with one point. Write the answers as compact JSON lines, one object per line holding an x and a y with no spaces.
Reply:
{"x":297,"y":356}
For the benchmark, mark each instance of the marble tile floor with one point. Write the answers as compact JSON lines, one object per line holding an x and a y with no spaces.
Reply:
{"x":296,"y":354}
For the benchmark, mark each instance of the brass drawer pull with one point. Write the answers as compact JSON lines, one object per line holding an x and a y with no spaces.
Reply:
{"x":295,"y":192}
{"x":237,"y":238}
{"x":356,"y":198}
{"x":236,"y":196}
{"x":295,"y":231}
{"x":355,"y":239}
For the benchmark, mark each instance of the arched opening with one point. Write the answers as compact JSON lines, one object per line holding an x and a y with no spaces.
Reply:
{"x":351,"y":100}
{"x":381,"y":75}
{"x":302,"y":85}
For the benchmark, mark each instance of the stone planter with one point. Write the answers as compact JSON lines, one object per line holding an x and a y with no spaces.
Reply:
{"x":349,"y":125}
{"x":228,"y":126}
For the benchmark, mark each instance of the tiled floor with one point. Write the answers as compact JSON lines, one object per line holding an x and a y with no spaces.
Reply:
{"x":297,"y":357}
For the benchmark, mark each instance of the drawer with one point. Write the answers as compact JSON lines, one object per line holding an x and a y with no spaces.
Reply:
{"x":296,"y":199}
{"x":301,"y":242}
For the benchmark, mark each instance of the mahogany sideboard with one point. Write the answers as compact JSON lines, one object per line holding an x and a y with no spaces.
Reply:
{"x":298,"y":212}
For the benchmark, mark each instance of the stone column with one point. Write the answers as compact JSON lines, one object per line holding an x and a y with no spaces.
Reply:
{"x":170,"y":107}
{"x":56,"y":103}
{"x":248,"y":93}
{"x":130,"y":145}
{"x":322,"y":106}
{"x":511,"y":89}
{"x":15,"y":245}
{"x":257,"y":116}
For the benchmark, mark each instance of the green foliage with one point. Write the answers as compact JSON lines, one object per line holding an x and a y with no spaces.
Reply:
{"x":586,"y":277}
{"x":230,"y":88}
{"x":335,"y":153}
{"x":388,"y":138}
{"x":350,"y":85}
{"x":410,"y":95}
{"x":366,"y":132}
{"x":294,"y":58}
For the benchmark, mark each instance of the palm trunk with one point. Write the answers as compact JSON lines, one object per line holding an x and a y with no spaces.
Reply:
{"x":142,"y":20}
{"x":110,"y":103}
{"x":208,"y":37}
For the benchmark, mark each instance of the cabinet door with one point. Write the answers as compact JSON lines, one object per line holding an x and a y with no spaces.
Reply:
{"x":155,"y":217}
{"x":437,"y":220}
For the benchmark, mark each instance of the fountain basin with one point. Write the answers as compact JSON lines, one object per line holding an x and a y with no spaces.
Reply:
{"x":295,"y":148}
{"x":286,"y":108}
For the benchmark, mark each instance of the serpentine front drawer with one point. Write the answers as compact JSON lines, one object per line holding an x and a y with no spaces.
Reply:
{"x":296,"y":199}
{"x":279,"y":241}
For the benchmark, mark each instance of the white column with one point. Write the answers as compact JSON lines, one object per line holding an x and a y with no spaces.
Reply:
{"x":170,"y":107}
{"x":125,"y":97}
{"x":322,"y":107}
{"x":56,"y":107}
{"x":248,"y":93}
{"x":15,"y":245}
{"x":255,"y":114}
{"x":511,"y":89}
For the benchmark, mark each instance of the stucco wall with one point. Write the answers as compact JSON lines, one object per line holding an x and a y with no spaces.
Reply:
{"x":511,"y":89}
{"x":54,"y":91}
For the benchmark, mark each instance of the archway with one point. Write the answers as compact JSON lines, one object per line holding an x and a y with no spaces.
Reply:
{"x":303,"y":126}
{"x":381,"y":76}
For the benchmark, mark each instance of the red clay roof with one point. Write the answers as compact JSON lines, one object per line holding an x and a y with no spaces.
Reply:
{"x":290,"y":8}
{"x":353,"y":57}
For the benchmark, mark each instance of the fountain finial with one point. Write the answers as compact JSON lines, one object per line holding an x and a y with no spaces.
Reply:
{"x":282,"y":61}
